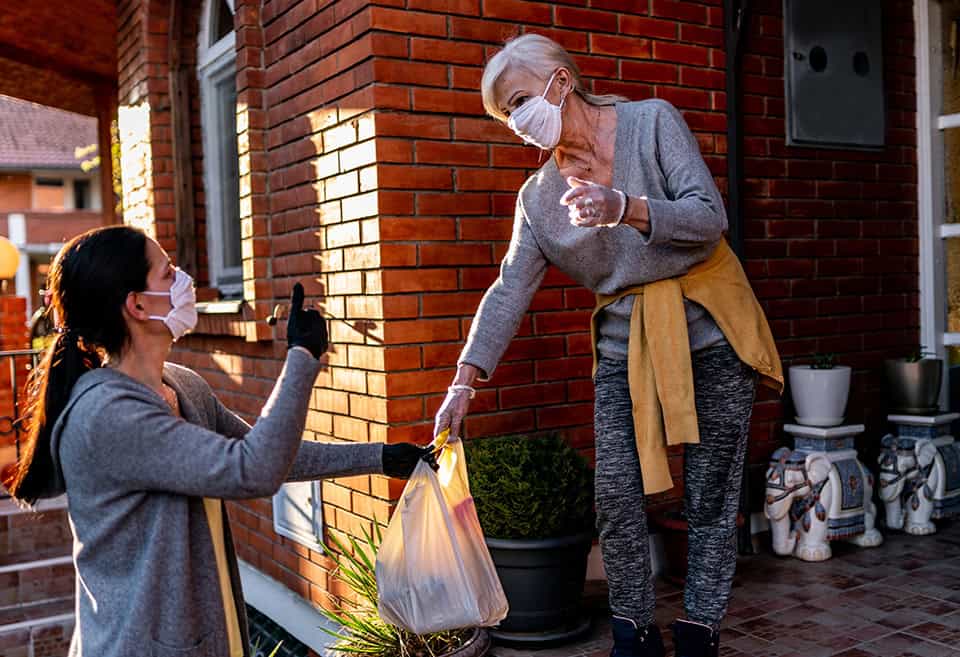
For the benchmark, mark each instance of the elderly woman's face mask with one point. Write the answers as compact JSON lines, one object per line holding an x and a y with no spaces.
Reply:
{"x":538,"y":121}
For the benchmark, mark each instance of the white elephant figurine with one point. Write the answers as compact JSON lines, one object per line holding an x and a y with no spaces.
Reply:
{"x":817,"y":497}
{"x":919,"y":482}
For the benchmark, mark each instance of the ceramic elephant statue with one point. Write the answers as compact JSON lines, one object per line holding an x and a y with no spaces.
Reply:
{"x":919,"y":482}
{"x":813,"y":498}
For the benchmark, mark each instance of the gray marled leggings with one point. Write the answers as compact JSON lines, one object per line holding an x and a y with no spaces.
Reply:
{"x":724,"y":389}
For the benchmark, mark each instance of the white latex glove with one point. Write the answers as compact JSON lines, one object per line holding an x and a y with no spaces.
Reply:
{"x":592,"y":205}
{"x":452,"y":411}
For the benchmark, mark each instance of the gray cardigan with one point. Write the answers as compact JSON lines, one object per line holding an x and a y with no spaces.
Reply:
{"x":655,"y":155}
{"x":135,"y":476}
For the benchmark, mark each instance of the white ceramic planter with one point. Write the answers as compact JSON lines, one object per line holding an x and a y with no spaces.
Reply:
{"x":820,"y":396}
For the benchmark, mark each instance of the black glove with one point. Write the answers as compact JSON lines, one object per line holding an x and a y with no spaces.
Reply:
{"x":399,"y":460}
{"x":305,"y":328}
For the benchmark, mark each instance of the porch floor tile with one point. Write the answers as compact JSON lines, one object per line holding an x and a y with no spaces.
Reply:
{"x":899,"y":600}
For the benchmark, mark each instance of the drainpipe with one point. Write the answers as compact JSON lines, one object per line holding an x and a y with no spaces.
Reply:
{"x":736,"y":19}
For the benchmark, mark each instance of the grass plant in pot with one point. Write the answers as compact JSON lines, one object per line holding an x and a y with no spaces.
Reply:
{"x":820,"y":391}
{"x":913,"y":382}
{"x":534,"y":498}
{"x":362,"y":631}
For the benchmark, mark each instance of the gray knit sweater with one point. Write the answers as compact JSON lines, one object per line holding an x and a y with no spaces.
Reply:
{"x":135,"y":476}
{"x":656,"y":156}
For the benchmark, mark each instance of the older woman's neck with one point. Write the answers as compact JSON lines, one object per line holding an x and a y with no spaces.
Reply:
{"x":587,"y":130}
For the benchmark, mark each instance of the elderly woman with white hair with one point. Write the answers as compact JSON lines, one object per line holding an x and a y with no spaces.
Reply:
{"x":627,"y":207}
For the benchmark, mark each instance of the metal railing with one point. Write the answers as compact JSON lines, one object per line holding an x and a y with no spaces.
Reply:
{"x":12,"y":362}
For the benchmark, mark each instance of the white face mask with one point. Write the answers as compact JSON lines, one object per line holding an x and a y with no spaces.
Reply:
{"x":538,"y":121}
{"x":182,"y":317}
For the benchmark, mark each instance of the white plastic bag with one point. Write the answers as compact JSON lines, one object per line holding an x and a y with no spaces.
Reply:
{"x":434,"y":571}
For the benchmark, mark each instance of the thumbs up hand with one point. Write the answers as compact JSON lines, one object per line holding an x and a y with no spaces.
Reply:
{"x":305,"y":328}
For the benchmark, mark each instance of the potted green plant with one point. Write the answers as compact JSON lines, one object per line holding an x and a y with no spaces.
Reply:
{"x":914,"y":382}
{"x":363,"y":632}
{"x":820,"y":391}
{"x":534,"y":499}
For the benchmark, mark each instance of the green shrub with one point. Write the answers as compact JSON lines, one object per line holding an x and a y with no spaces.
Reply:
{"x":530,"y":487}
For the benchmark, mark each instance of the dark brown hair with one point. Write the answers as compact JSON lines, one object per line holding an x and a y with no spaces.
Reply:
{"x":90,"y":280}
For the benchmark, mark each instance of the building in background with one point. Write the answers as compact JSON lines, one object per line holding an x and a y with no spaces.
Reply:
{"x":49,"y":185}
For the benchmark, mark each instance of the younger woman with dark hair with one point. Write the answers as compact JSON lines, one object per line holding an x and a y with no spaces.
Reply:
{"x":146,"y":453}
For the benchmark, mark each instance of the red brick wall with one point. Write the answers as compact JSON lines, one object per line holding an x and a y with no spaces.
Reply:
{"x":448,"y":179}
{"x":831,"y":235}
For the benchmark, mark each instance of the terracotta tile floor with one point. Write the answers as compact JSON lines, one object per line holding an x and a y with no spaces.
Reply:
{"x":899,"y":600}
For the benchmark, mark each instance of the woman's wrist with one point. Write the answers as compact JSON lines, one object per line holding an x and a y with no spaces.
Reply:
{"x":466,"y":374}
{"x":637,"y":214}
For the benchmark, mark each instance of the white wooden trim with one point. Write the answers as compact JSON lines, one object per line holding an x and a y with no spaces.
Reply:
{"x":948,"y":121}
{"x":210,"y":56}
{"x":215,"y":64}
{"x":286,"y":608}
{"x":951,"y":339}
{"x":17,"y":230}
{"x":207,"y":54}
{"x":930,"y":177}
{"x":949,"y":230}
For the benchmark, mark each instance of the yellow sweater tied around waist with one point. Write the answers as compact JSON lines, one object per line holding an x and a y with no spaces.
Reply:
{"x":660,"y":373}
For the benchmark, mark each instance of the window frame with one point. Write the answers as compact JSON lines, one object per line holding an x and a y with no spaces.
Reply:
{"x":215,"y":63}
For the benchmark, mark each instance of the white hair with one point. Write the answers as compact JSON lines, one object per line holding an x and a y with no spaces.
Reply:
{"x":540,"y":56}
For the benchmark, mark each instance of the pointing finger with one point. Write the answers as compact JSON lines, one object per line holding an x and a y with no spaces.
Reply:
{"x":296,"y":299}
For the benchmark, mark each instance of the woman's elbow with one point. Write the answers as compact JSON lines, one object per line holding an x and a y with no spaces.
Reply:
{"x":720,"y":221}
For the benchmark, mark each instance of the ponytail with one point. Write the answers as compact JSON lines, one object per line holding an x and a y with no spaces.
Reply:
{"x":89,"y":282}
{"x":48,"y":390}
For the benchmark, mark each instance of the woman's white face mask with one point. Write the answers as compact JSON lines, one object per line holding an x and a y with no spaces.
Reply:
{"x":182,"y":317}
{"x":538,"y":121}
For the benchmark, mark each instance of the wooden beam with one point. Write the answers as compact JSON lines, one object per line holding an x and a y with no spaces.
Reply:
{"x":106,"y":98}
{"x":182,"y":162}
{"x":38,"y":60}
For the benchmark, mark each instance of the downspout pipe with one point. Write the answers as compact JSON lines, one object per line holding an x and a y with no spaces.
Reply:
{"x":736,"y":20}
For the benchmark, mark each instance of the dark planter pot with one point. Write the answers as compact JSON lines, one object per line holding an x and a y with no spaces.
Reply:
{"x":476,"y":646}
{"x":914,"y":386}
{"x":543,"y":581}
{"x":672,"y":526}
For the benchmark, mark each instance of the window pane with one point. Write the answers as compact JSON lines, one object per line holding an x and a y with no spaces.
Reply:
{"x":221,"y":21}
{"x":81,"y":194}
{"x":48,"y":194}
{"x":951,"y":156}
{"x":226,"y":91}
{"x":951,"y":249}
